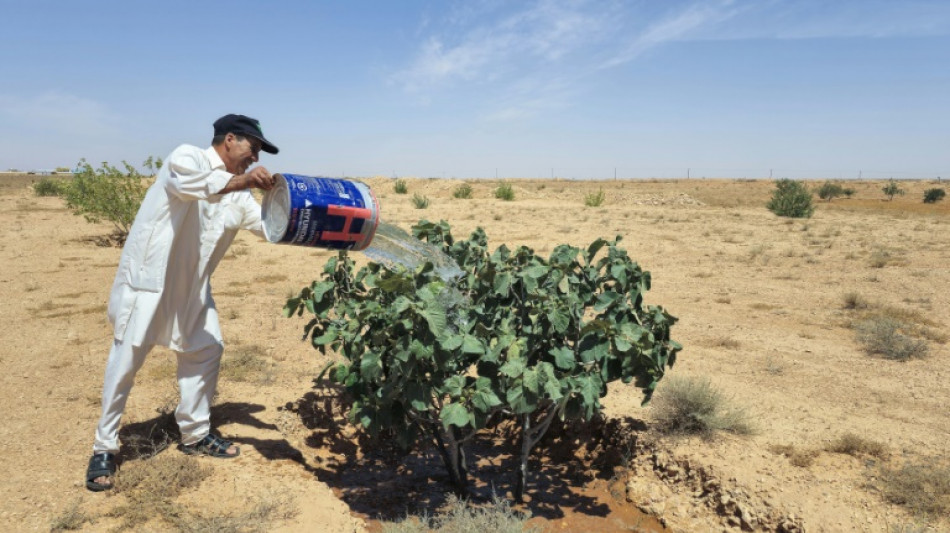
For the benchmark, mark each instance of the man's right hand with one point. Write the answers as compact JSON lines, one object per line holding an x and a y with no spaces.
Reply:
{"x":256,"y":178}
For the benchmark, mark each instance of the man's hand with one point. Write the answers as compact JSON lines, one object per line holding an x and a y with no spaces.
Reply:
{"x":256,"y":178}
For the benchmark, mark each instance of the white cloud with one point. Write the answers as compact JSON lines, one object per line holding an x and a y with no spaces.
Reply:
{"x":483,"y":48}
{"x":677,"y":26}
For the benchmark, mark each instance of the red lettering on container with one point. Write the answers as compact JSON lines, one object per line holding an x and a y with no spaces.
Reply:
{"x":348,"y":213}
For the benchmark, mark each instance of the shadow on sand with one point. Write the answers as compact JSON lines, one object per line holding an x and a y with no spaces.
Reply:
{"x":378,"y":480}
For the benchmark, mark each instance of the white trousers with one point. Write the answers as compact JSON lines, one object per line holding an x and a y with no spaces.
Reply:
{"x":197,"y":381}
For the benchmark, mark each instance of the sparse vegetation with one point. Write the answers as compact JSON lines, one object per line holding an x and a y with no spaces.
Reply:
{"x":151,"y":487}
{"x":245,"y":363}
{"x":885,"y":337}
{"x":462,"y":192}
{"x":880,"y":258}
{"x":796,"y":456}
{"x":791,"y":199}
{"x":505,"y":192}
{"x":853,"y":300}
{"x":892,"y":189}
{"x":694,"y":406}
{"x":48,"y":187}
{"x":932,"y":196}
{"x":922,"y":487}
{"x":106,"y":193}
{"x":462,"y":517}
{"x":419,"y":201}
{"x":400,"y":187}
{"x":830,"y":190}
{"x":71,"y":519}
{"x":857,"y":446}
{"x":595,"y":199}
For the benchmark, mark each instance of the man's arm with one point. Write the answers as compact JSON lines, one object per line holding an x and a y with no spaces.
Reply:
{"x":256,"y":178}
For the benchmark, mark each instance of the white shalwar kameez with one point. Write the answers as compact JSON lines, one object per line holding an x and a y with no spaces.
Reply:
{"x":162,"y":290}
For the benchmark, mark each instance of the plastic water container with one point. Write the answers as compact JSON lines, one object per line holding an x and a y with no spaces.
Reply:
{"x":320,"y":212}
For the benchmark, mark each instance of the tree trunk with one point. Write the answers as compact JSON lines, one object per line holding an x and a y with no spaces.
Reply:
{"x":453,"y":457}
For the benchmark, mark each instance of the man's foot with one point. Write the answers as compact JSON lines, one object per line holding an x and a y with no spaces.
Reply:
{"x":212,"y":446}
{"x":101,"y":471}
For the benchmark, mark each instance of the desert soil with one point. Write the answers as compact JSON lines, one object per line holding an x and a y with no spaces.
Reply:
{"x":761,"y":303}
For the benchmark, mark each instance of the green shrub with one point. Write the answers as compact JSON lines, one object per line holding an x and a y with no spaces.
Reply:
{"x":829,"y":191}
{"x":106,"y":193}
{"x":694,"y":406}
{"x":848,"y":192}
{"x":791,"y":199}
{"x":932,"y":196}
{"x":594,"y":199}
{"x":517,"y":338}
{"x":400,"y":187}
{"x":892,"y":189}
{"x":505,"y":192}
{"x":463,"y":191}
{"x":419,"y":201}
{"x":49,"y":187}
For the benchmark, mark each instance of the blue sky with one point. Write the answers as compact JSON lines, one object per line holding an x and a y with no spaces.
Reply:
{"x":574,"y":89}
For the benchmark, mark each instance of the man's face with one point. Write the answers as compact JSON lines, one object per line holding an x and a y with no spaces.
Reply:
{"x":241,"y":153}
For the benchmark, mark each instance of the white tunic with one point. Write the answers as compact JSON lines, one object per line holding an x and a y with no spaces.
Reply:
{"x":181,"y":232}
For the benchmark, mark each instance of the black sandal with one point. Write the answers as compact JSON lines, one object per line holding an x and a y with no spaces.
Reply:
{"x":100,"y":465}
{"x":212,"y":446}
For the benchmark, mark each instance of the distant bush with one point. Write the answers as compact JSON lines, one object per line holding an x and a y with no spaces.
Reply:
{"x":791,"y":199}
{"x":48,"y":187}
{"x":829,"y":191}
{"x":106,"y":193}
{"x":463,"y":191}
{"x":932,"y":196}
{"x":400,"y":187}
{"x":892,"y":189}
{"x":594,"y":199}
{"x":695,"y":406}
{"x":505,"y":192}
{"x":848,"y":192}
{"x":419,"y":201}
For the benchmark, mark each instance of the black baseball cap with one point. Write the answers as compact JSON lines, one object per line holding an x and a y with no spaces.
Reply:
{"x":244,"y":126}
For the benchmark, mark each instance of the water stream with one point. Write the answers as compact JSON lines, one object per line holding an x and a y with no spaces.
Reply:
{"x":392,"y":247}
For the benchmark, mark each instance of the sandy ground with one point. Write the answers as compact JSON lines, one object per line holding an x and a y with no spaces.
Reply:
{"x":760,"y":301}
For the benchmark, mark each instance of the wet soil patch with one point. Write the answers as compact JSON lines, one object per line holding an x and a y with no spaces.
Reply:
{"x":572,"y":482}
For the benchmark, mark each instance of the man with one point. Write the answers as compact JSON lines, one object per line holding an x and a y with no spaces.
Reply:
{"x":162,"y":292}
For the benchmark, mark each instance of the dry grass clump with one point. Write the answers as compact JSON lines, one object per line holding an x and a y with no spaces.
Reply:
{"x":462,"y":517}
{"x":693,"y":406}
{"x":892,"y":332}
{"x":151,"y":486}
{"x":923,"y":487}
{"x":857,"y":446}
{"x":258,"y":518}
{"x":71,"y":519}
{"x":855,"y":301}
{"x":796,"y":456}
{"x":246,"y":363}
{"x":886,"y":337}
{"x":723,"y":342}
